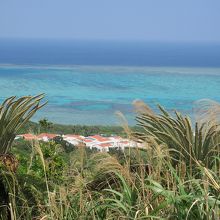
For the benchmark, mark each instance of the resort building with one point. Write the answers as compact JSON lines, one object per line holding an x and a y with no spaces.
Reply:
{"x":46,"y":136}
{"x":41,"y":137}
{"x":74,"y":139}
{"x":27,"y":137}
{"x":103,"y":144}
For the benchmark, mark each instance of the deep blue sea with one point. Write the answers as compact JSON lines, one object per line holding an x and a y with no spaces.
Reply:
{"x":87,"y":82}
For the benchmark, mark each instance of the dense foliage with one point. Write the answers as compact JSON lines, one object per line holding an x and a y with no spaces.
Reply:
{"x":14,"y":114}
{"x":84,"y":130}
{"x":173,"y":175}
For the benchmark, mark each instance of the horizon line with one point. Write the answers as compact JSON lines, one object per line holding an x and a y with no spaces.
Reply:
{"x":111,"y":40}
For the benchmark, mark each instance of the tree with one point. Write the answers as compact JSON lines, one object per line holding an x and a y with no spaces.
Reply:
{"x":200,"y":143}
{"x":14,"y":114}
{"x":45,"y":125}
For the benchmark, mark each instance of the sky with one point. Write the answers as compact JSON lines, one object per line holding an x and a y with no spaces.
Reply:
{"x":132,"y":20}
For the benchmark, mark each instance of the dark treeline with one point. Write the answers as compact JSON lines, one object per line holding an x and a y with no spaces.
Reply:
{"x":84,"y":130}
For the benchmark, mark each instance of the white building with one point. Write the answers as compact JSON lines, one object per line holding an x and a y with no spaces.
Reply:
{"x":105,"y":143}
{"x":74,"y":139}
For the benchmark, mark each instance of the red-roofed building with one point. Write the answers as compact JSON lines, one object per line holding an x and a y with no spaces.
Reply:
{"x":46,"y":136}
{"x":99,"y":138}
{"x":28,"y":137}
{"x":88,"y":141}
{"x":75,"y":136}
{"x":105,"y":145}
{"x":74,"y":139}
{"x":95,"y":141}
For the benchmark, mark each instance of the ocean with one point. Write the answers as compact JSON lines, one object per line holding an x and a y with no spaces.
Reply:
{"x":86,"y":82}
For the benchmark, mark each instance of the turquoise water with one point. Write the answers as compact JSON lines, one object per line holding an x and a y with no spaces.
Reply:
{"x":92,"y":94}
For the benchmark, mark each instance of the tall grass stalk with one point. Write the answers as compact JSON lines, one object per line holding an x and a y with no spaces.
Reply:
{"x":39,"y":151}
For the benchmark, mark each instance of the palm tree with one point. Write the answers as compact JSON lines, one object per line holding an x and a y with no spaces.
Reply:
{"x":14,"y":114}
{"x":198,"y":143}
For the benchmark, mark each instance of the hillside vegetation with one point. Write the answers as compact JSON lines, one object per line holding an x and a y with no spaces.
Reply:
{"x":174,"y":175}
{"x":84,"y":130}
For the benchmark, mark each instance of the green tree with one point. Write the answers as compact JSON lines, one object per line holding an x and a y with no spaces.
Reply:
{"x":199,"y":144}
{"x":14,"y":114}
{"x":45,"y":125}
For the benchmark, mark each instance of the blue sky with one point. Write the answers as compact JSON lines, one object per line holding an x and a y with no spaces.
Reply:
{"x":144,"y":20}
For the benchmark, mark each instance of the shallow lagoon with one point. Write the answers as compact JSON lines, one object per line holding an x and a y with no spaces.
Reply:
{"x":92,"y":94}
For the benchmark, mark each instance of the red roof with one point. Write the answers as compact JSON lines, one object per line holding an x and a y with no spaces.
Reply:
{"x":99,"y":138}
{"x":105,"y":145}
{"x":29,"y":136}
{"x":87,"y":140}
{"x":47,"y":135}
